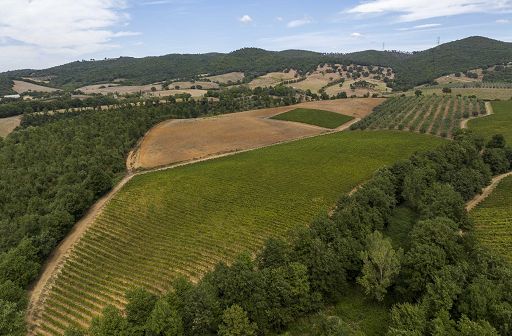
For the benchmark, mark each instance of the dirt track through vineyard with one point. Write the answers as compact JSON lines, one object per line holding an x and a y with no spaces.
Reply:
{"x":486,"y":191}
{"x":56,"y":260}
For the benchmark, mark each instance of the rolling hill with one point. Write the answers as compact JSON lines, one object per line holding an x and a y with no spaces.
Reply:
{"x":411,"y":69}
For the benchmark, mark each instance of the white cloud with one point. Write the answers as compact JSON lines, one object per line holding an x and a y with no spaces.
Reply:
{"x":72,"y":28}
{"x":300,"y":22}
{"x":420,"y":27}
{"x":279,"y":18}
{"x":503,"y":21}
{"x":356,"y":35}
{"x":427,"y":25}
{"x":245,"y":19}
{"x":413,"y":10}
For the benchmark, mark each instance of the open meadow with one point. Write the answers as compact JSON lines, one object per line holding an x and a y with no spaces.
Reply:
{"x":499,"y":122}
{"x":182,"y":221}
{"x":321,"y":118}
{"x":184,"y":140}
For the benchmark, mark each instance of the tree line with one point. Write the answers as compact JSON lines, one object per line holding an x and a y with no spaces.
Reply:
{"x":439,"y":279}
{"x":9,"y":108}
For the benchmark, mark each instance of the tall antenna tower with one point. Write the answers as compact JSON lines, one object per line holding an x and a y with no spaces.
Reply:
{"x":438,"y":40}
{"x":383,"y":46}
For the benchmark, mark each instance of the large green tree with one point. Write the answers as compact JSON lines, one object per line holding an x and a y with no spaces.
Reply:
{"x":381,"y":264}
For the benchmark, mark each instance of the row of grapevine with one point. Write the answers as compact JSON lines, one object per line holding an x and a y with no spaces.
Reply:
{"x":183,"y":221}
{"x":493,"y":220}
{"x":437,"y":115}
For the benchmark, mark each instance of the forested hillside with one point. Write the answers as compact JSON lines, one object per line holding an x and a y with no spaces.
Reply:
{"x":411,"y":69}
{"x":458,"y":56}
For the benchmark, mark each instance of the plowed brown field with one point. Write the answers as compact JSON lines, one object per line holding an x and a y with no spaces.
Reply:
{"x":190,"y":139}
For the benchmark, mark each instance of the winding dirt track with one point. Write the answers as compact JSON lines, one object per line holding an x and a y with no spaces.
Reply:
{"x":486,"y":191}
{"x":55,"y":262}
{"x":488,"y":107}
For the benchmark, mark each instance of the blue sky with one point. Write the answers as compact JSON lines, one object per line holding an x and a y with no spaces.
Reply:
{"x":41,"y":33}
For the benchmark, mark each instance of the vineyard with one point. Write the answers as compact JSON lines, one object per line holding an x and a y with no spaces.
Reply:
{"x":493,"y":220}
{"x":182,"y":221}
{"x":437,"y":115}
{"x":325,"y":119}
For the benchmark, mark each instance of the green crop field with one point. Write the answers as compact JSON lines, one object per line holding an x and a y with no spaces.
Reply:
{"x":493,"y":220}
{"x":182,"y":221}
{"x":320,"y":118}
{"x":437,"y":115}
{"x":499,"y":122}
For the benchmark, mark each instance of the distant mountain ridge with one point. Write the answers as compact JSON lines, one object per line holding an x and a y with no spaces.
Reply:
{"x":411,"y":68}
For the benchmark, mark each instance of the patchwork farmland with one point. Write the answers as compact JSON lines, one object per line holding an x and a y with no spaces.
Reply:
{"x":197,"y":215}
{"x":437,"y":115}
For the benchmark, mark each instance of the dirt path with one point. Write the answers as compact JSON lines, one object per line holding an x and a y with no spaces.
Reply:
{"x":486,"y":191}
{"x":54,"y":263}
{"x":488,"y":107}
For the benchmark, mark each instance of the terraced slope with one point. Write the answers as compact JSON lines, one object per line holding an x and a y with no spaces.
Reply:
{"x":183,"y":221}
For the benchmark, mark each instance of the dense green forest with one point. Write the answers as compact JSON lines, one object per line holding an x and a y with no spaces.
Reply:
{"x":501,"y":75}
{"x":458,"y":56}
{"x":440,"y":281}
{"x":411,"y":69}
{"x":6,"y":86}
{"x":57,"y":165}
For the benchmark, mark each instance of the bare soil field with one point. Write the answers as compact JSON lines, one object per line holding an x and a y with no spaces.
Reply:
{"x":22,"y":87}
{"x":316,"y":81}
{"x":195,"y":93}
{"x":7,"y":125}
{"x":188,"y":85}
{"x":228,"y":77}
{"x":119,"y":89}
{"x":272,"y":78}
{"x":176,"y":141}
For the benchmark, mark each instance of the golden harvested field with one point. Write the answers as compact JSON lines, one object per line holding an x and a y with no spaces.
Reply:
{"x":22,"y":87}
{"x":195,"y":93}
{"x":184,"y":140}
{"x":188,"y":85}
{"x":316,"y":81}
{"x":119,"y":89}
{"x":7,"y":125}
{"x":272,"y":78}
{"x":228,"y":77}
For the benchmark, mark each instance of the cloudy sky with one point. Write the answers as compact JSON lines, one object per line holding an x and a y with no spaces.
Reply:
{"x":42,"y":33}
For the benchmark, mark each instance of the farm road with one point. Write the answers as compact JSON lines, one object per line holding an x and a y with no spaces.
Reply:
{"x":56,"y":260}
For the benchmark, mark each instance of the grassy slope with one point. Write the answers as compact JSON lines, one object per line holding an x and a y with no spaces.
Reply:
{"x":493,"y":218}
{"x":320,"y":118}
{"x":499,"y":122}
{"x":184,"y":220}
